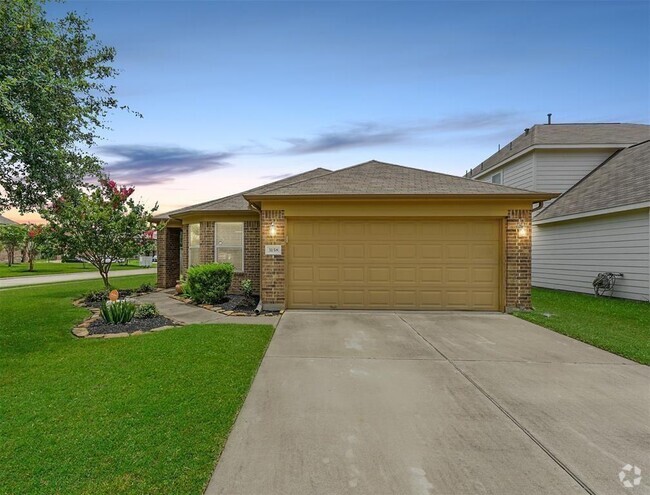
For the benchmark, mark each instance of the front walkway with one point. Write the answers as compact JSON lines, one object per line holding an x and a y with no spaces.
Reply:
{"x":435,"y":403}
{"x":5,"y":283}
{"x":188,"y":314}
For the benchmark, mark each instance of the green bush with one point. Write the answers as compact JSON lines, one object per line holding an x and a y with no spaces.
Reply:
{"x":208,"y":284}
{"x":146,"y":310}
{"x":144,"y":288}
{"x":117,"y":312}
{"x":247,"y":288}
{"x":96,"y":296}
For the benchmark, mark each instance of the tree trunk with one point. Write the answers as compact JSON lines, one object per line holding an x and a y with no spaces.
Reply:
{"x":104,"y":275}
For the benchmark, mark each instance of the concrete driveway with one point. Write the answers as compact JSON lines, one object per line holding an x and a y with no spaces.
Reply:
{"x":436,"y":403}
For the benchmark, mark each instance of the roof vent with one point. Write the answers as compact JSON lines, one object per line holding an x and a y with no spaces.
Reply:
{"x":549,"y":117}
{"x":510,"y":145}
{"x":526,"y":131}
{"x":499,"y":147}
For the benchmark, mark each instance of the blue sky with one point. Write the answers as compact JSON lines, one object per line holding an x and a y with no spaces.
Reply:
{"x":236,"y":93}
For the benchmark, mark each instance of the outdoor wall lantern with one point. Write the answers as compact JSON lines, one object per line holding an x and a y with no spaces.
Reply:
{"x":522,"y":231}
{"x":272,"y":230}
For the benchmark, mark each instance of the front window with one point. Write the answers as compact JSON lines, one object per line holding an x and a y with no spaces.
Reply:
{"x":229,"y":244}
{"x":194,"y":244}
{"x":497,"y":178}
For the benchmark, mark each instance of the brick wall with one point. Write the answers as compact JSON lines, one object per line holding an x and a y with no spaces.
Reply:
{"x":251,"y":258}
{"x":206,"y":243}
{"x":518,"y":260}
{"x":169,"y":262}
{"x":273,"y":269}
{"x":185,"y":255}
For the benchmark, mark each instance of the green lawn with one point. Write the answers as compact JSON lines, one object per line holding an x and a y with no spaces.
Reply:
{"x":138,"y":415}
{"x":616,"y":325}
{"x":52,"y":268}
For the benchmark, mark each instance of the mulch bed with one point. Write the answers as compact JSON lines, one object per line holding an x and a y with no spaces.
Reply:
{"x":142,"y":324}
{"x":237,"y":302}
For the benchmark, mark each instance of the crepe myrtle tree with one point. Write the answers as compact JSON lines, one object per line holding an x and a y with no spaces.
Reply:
{"x":55,"y":96}
{"x":100,"y":225}
{"x":38,"y":241}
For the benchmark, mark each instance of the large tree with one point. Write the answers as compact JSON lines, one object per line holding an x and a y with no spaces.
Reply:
{"x":100,"y":226}
{"x":55,"y":94}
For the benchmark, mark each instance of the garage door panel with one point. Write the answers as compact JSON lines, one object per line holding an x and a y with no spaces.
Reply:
{"x":354,"y":252}
{"x":379,"y":252}
{"x":394,"y":264}
{"x":431,"y":275}
{"x":378,"y":274}
{"x":300,"y":252}
{"x":327,"y":274}
{"x":405,"y":275}
{"x":405,"y":252}
{"x":351,"y":274}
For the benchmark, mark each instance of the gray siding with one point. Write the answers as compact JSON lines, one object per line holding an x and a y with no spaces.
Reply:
{"x":568,"y":255}
{"x":519,"y":173}
{"x":557,"y":171}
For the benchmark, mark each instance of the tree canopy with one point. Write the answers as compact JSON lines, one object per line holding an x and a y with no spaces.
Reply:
{"x":55,"y":95}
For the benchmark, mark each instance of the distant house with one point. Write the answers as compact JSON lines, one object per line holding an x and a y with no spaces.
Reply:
{"x":601,"y":222}
{"x":6,"y":221}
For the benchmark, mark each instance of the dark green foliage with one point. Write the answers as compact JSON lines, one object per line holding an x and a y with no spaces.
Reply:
{"x":56,"y":90}
{"x":117,"y":312}
{"x":208,"y":284}
{"x":146,"y":310}
{"x":95,"y":296}
{"x":145,"y":288}
{"x":247,"y":288}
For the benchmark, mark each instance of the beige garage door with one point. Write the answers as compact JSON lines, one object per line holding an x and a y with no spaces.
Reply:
{"x":394,"y":263}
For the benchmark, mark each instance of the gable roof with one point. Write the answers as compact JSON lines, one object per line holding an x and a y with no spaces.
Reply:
{"x":237,"y":202}
{"x":375,"y":178}
{"x":6,"y":221}
{"x":617,"y":135}
{"x":623,"y":179}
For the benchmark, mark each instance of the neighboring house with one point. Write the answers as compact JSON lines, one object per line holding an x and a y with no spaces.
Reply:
{"x":3,"y":252}
{"x":371,"y":236}
{"x":6,"y":221}
{"x":601,"y":222}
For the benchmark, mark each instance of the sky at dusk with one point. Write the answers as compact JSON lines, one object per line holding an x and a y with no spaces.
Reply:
{"x":236,"y":94}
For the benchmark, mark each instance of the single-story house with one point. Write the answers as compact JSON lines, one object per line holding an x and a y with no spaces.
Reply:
{"x":601,"y":222}
{"x":370,"y":236}
{"x":6,"y":221}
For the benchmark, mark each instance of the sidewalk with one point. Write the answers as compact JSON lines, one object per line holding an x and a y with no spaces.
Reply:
{"x":189,"y":314}
{"x":67,"y":277}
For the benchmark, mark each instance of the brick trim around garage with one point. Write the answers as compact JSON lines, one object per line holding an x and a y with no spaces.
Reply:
{"x":273,"y":266}
{"x":518,"y":260}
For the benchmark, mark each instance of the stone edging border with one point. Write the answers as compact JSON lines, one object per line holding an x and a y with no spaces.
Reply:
{"x":81,"y":330}
{"x":218,"y":309}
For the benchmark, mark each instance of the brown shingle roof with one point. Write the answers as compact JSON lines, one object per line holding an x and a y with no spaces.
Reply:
{"x":622,"y":135}
{"x":236,"y":202}
{"x":623,"y":179}
{"x":375,"y":178}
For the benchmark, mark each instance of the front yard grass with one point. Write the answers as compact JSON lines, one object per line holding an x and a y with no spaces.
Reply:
{"x":617,"y":325}
{"x":145,"y":414}
{"x":55,"y":268}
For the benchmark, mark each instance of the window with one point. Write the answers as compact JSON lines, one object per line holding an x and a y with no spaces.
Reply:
{"x":497,"y":178}
{"x":229,"y":244}
{"x":194,"y":243}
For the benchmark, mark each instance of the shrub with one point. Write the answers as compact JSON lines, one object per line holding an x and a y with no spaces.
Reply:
{"x":208,"y":284}
{"x":95,"y":296}
{"x":117,"y":312}
{"x":247,"y":288}
{"x":144,"y":288}
{"x":146,"y":310}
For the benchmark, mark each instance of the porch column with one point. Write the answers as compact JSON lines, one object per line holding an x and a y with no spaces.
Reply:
{"x":518,"y":260}
{"x":169,"y":257}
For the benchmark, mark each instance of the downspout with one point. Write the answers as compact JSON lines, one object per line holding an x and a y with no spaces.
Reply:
{"x":260,"y":305}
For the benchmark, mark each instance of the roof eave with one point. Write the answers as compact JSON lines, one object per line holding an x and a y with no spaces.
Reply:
{"x":533,"y":196}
